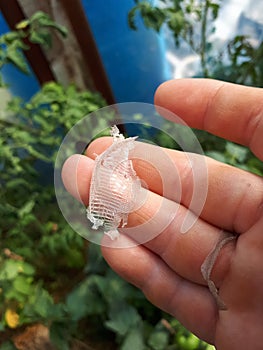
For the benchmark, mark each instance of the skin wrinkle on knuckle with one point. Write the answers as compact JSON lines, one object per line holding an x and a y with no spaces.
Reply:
{"x":223,"y":263}
{"x":186,"y":177}
{"x":147,"y":282}
{"x":189,"y":179}
{"x":175,"y":224}
{"x":252,"y":125}
{"x":251,"y":132}
{"x":241,"y":211}
{"x":242,"y":200}
{"x":172,"y":301}
{"x":170,"y":228}
{"x":168,"y":295}
{"x":210,"y":106}
{"x":260,"y":209}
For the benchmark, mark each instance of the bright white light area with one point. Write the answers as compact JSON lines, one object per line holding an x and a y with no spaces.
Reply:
{"x":183,"y":67}
{"x":255,"y":10}
{"x":228,"y":18}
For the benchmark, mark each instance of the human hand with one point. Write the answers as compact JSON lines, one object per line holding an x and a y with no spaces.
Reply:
{"x":168,"y":268}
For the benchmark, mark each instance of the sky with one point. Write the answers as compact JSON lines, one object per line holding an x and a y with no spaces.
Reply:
{"x":184,"y":63}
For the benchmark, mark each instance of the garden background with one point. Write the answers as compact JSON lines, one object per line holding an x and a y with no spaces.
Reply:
{"x":60,"y":61}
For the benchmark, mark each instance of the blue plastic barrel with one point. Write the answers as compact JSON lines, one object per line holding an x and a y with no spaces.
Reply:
{"x":19,"y":84}
{"x":134,"y":60}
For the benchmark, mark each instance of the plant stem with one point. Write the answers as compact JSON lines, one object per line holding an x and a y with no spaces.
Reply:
{"x":203,"y":39}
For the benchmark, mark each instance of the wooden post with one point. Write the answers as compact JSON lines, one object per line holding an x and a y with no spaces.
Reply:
{"x":88,"y":47}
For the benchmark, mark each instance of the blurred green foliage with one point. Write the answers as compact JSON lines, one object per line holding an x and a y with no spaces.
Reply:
{"x":48,"y":273}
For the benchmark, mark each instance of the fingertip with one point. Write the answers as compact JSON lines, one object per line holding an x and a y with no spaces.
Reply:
{"x":98,"y":146}
{"x":186,"y":99}
{"x":173,"y":99}
{"x":76,"y":176}
{"x":161,"y":92}
{"x":175,"y":88}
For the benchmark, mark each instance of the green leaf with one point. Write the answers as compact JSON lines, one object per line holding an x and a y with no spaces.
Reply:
{"x":84,"y":300}
{"x":236,"y":152}
{"x":23,"y":285}
{"x":255,"y":165}
{"x":9,"y":270}
{"x":15,"y":183}
{"x":12,"y":268}
{"x":123,"y":318}
{"x":41,"y":38}
{"x":153,"y":17}
{"x":8,"y":345}
{"x":43,"y":20}
{"x":26,"y":268}
{"x":96,"y":263}
{"x":9,"y":37}
{"x":26,"y":208}
{"x":131,"y":18}
{"x":159,"y":340}
{"x":210,"y":347}
{"x":215,"y":10}
{"x":177,"y":22}
{"x":217,"y":156}
{"x":76,"y":304}
{"x":75,"y":258}
{"x":60,"y":336}
{"x":44,"y":305}
{"x":133,"y":340}
{"x":112,"y":288}
{"x":38,"y":17}
{"x":61,"y":29}
{"x":14,"y":56}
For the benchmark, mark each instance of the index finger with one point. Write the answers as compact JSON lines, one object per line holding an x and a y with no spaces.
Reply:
{"x":227,"y":110}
